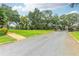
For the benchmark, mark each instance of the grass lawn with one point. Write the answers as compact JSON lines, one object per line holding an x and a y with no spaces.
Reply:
{"x":75,"y":35}
{"x":6,"y":39}
{"x":28,"y":33}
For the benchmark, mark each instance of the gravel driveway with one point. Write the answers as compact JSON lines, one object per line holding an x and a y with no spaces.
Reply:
{"x":52,"y":44}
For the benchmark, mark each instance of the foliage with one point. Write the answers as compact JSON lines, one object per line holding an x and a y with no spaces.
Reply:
{"x":38,"y":20}
{"x":8,"y":15}
{"x":23,"y":22}
{"x":3,"y":31}
{"x":73,"y":4}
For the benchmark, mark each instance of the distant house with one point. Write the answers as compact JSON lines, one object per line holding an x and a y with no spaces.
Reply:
{"x":12,"y":25}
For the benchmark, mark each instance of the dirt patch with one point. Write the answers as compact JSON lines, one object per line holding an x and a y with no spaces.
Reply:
{"x":16,"y":36}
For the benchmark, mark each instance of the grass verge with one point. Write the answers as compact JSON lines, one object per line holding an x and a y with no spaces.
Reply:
{"x":6,"y":39}
{"x":28,"y":33}
{"x":75,"y":35}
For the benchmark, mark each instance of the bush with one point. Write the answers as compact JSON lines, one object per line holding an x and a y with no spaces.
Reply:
{"x":3,"y":31}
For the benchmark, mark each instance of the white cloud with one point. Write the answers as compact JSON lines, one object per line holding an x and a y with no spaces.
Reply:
{"x":31,"y":6}
{"x":25,"y":9}
{"x":72,"y":12}
{"x":20,"y":9}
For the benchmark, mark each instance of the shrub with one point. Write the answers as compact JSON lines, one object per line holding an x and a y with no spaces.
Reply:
{"x":3,"y":31}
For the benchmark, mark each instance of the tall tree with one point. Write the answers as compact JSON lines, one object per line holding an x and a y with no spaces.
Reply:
{"x":8,"y":14}
{"x":35,"y":18}
{"x":23,"y":24}
{"x":47,"y":16}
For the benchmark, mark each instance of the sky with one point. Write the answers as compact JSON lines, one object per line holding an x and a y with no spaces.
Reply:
{"x":57,"y":8}
{"x":39,"y":1}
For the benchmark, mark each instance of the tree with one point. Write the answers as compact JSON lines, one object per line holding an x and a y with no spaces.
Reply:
{"x":23,"y":24}
{"x":3,"y":18}
{"x":55,"y":22}
{"x":72,"y":19}
{"x":46,"y":17}
{"x":64,"y":22}
{"x":34,"y":18}
{"x":69,"y":21}
{"x":73,"y":4}
{"x":1,"y":22}
{"x":8,"y":15}
{"x":40,"y":19}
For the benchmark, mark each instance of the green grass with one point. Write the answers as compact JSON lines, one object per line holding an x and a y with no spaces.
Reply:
{"x":6,"y":39}
{"x":28,"y":33}
{"x":75,"y":34}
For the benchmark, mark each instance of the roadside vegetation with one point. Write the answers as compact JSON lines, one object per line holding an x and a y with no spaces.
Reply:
{"x":4,"y":39}
{"x":37,"y":20}
{"x":28,"y":33}
{"x":75,"y":35}
{"x":35,"y":23}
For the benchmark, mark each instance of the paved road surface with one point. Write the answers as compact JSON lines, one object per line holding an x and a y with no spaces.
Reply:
{"x":52,"y":44}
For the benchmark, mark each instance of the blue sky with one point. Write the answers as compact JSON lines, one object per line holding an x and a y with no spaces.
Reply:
{"x":66,"y":9}
{"x":57,"y":8}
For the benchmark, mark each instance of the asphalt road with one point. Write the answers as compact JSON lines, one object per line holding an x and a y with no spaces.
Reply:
{"x":52,"y":44}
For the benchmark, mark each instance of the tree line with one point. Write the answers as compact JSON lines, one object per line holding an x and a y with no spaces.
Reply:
{"x":38,"y":20}
{"x":45,"y":20}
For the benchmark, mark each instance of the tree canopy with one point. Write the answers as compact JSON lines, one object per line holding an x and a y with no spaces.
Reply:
{"x":38,"y":20}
